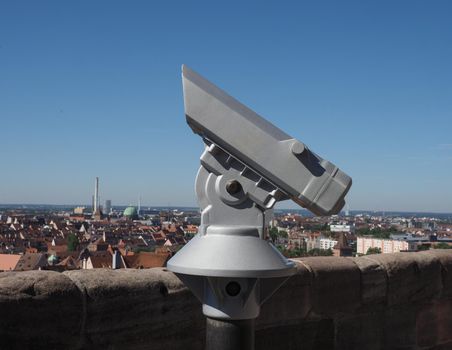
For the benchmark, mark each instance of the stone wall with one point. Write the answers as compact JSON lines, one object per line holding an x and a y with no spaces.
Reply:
{"x":388,"y":301}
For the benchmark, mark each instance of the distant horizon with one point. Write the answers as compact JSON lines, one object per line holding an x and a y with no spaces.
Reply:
{"x":197,"y":207}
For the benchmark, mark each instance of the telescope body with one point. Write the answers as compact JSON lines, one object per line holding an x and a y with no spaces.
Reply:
{"x":309,"y":180}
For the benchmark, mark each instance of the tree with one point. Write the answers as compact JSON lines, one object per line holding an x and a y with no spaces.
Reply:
{"x":442,"y":245}
{"x":144,"y":249}
{"x":423,"y":247}
{"x":376,"y":232}
{"x":320,"y":252}
{"x":283,"y":234}
{"x":72,"y":242}
{"x":287,"y":253}
{"x":373,"y":251}
{"x":297,"y":253}
{"x":317,"y":227}
{"x":300,"y":252}
{"x":273,"y":233}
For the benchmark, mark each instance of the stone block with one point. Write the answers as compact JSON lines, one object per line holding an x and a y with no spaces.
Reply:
{"x":444,"y":318}
{"x":292,"y":301}
{"x":310,"y":334}
{"x":411,"y":277}
{"x":335,"y":284}
{"x":444,"y":257}
{"x":434,"y":323}
{"x":131,"y":309}
{"x":445,"y":346}
{"x":39,"y":310}
{"x":358,"y":331}
{"x":373,"y":281}
{"x":399,"y":328}
{"x":427,"y":326}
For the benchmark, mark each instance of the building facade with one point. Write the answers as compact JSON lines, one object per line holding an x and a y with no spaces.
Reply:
{"x":326,"y":243}
{"x":385,"y":245}
{"x":342,"y":228}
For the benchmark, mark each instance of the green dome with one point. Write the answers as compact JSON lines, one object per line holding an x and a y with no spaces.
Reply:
{"x":52,"y":259}
{"x":131,"y":212}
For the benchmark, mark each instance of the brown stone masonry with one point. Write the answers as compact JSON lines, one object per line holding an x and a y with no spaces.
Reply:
{"x":387,"y":301}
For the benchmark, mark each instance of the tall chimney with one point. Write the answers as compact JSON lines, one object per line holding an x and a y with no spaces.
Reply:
{"x":96,"y":196}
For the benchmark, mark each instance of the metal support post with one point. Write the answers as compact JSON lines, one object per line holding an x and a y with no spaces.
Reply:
{"x":229,"y":334}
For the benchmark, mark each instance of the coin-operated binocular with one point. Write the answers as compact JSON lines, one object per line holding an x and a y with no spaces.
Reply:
{"x":247,"y":166}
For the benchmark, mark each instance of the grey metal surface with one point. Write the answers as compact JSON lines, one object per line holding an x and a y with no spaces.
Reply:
{"x":248,"y":165}
{"x":305,"y":177}
{"x":231,"y":238}
{"x":230,"y":255}
{"x":229,"y":335}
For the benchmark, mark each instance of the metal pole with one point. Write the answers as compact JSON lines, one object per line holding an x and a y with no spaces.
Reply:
{"x":229,"y":334}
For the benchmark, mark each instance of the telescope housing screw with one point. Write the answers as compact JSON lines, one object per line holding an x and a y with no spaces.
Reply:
{"x":233,"y":187}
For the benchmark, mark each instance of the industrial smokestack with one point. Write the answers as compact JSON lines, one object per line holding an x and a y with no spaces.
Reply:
{"x":96,"y":195}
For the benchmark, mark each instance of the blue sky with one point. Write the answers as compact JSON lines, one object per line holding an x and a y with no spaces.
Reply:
{"x":92,"y":88}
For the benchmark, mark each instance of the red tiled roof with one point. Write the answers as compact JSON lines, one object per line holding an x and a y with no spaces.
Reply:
{"x":8,"y":261}
{"x":146,"y":260}
{"x":101,"y":261}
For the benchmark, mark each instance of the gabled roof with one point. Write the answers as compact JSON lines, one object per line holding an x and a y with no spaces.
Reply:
{"x":8,"y":261}
{"x":101,"y":261}
{"x":158,"y":236}
{"x":31,"y":261}
{"x":68,"y":263}
{"x":146,"y":260}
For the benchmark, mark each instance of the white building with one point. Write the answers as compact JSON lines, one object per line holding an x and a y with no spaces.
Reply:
{"x":342,"y":228}
{"x":385,"y":245}
{"x":79,"y":210}
{"x":326,"y":243}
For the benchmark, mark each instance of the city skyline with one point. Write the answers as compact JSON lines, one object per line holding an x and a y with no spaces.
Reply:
{"x":93,"y":89}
